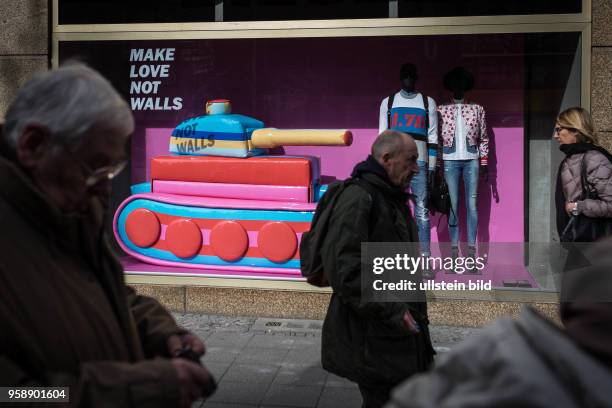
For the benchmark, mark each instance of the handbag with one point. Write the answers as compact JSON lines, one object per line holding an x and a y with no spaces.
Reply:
{"x":582,"y":228}
{"x":439,"y":196}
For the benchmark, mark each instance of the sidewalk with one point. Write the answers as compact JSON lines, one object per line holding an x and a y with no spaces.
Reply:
{"x":276,"y":363}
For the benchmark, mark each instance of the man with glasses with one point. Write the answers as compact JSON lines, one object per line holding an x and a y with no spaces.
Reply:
{"x":67,"y":319}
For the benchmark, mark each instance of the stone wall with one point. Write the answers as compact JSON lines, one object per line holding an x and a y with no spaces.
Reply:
{"x":23,"y":45}
{"x":601,"y":71}
{"x":310,"y":305}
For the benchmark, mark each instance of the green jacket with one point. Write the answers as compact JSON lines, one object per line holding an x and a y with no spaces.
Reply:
{"x":66,"y":316}
{"x":366,"y":341}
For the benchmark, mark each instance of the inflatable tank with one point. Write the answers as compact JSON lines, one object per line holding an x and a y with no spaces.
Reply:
{"x":221,"y":202}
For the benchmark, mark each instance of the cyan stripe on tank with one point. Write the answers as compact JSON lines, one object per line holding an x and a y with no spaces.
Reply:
{"x":213,"y":260}
{"x":213,"y":151}
{"x":207,"y":134}
{"x":217,"y":213}
{"x":172,"y":209}
{"x":409,"y":120}
{"x":141,"y":188}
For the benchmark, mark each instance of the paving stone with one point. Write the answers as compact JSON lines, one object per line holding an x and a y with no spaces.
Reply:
{"x":292,"y":396}
{"x":256,"y":373}
{"x":311,"y":356}
{"x":262,"y":356}
{"x":220,"y":354}
{"x":304,"y":342}
{"x":297,"y":374}
{"x":275,"y":406}
{"x":239,"y":393}
{"x":450,"y":334}
{"x":217,"y":368}
{"x":229,"y":339}
{"x":282,"y":368}
{"x":340,"y":382}
{"x":215,"y":323}
{"x":271,"y":341}
{"x":221,"y":405}
{"x":340,"y":397}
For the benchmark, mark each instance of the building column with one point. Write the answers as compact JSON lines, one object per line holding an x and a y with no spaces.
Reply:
{"x":601,"y":71}
{"x":23,"y":45}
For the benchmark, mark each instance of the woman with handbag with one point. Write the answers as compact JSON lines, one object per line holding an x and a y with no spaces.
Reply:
{"x":583,"y":195}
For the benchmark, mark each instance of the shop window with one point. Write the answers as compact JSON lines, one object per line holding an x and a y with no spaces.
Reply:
{"x":521,"y":80}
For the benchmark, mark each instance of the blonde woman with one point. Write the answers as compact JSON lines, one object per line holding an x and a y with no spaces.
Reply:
{"x":584,"y":183}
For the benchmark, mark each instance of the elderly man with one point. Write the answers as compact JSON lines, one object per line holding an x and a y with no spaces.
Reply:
{"x":375,"y":344}
{"x":66,"y":316}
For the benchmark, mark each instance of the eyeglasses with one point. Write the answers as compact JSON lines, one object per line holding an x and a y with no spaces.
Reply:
{"x":558,"y":129}
{"x":102,"y":173}
{"x":95,"y":176}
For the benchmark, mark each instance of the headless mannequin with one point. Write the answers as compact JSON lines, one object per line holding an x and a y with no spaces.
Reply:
{"x":459,"y":85}
{"x":415,"y":114}
{"x":465,"y":148}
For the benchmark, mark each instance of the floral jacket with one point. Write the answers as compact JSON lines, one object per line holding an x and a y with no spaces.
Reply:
{"x":475,"y":124}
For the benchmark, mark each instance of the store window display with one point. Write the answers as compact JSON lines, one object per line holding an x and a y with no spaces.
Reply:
{"x":412,"y":112}
{"x":465,"y":148}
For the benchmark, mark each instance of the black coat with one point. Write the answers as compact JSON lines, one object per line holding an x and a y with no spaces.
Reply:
{"x":366,"y":342}
{"x":66,"y":316}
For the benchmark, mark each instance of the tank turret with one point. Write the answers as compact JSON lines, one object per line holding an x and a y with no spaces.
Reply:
{"x":222,"y":133}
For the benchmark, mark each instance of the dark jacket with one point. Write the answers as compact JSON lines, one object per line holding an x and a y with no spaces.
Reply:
{"x":366,"y":341}
{"x":525,"y":363}
{"x":66,"y":316}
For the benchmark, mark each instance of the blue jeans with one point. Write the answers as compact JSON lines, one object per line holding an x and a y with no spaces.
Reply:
{"x":452,"y":173}
{"x":418,"y":187}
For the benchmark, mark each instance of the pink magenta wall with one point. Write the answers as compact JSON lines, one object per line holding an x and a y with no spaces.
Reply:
{"x":500,"y":220}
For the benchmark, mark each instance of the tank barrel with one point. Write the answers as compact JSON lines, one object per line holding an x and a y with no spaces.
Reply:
{"x":270,"y":138}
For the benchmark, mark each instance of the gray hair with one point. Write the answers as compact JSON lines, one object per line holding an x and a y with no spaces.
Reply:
{"x":69,"y":101}
{"x":389,"y":141}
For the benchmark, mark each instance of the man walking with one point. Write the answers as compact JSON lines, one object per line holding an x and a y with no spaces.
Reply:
{"x":374,"y":344}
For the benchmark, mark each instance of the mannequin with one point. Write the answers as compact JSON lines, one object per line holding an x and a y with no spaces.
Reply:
{"x":465,"y":147}
{"x":406,"y":112}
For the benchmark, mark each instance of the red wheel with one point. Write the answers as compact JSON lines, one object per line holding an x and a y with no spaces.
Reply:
{"x":184,"y":238}
{"x":229,"y":240}
{"x":277,"y":241}
{"x":142,"y":227}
